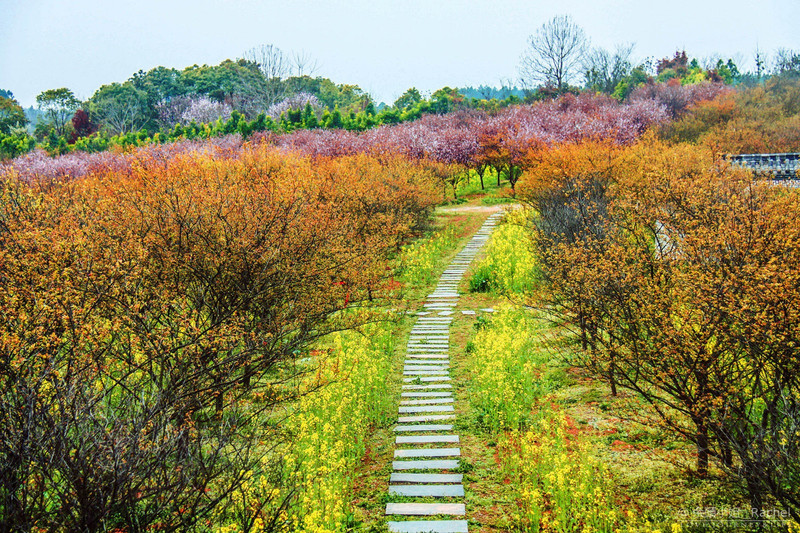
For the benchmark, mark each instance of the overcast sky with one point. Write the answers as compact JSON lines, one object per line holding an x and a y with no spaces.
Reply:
{"x":383,"y":46}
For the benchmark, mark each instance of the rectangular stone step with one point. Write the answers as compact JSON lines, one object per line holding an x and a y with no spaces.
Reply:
{"x":426,"y":394}
{"x":427,"y":452}
{"x":443,"y":367}
{"x":428,"y":346}
{"x":428,"y":356}
{"x":426,"y":439}
{"x":427,"y":401}
{"x":421,"y":346}
{"x":427,"y":361}
{"x":423,"y":509}
{"x":423,"y":464}
{"x":427,"y":378}
{"x":426,"y":409}
{"x":428,"y":491}
{"x":426,"y":478}
{"x":425,"y":372}
{"x":428,"y":526}
{"x":424,"y":427}
{"x":424,"y":418}
{"x":436,"y":386}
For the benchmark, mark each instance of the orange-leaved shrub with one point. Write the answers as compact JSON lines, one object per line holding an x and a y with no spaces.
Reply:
{"x":680,"y":277}
{"x":143,"y":308}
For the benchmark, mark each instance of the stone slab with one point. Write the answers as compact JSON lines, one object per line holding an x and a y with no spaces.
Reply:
{"x":435,"y":386}
{"x":424,"y":418}
{"x":425,"y":509}
{"x":436,"y":346}
{"x":427,"y":378}
{"x":429,"y":401}
{"x":429,"y":526}
{"x":424,"y":427}
{"x":428,"y":491}
{"x":407,"y":409}
{"x":441,"y":344}
{"x":426,"y":394}
{"x":422,"y":356}
{"x":426,"y":478}
{"x":426,"y":439}
{"x":427,"y":452}
{"x":426,"y":464}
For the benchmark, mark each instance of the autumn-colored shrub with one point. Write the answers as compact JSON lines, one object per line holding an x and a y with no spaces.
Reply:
{"x":679,"y":277}
{"x":145,"y":306}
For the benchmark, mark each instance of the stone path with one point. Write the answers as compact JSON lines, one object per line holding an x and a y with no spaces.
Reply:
{"x":425,"y":455}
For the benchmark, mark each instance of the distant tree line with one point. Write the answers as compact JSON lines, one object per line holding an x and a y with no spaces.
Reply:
{"x":559,"y":58}
{"x":268,"y":90}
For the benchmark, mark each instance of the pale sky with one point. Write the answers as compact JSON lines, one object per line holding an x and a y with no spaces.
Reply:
{"x":383,"y":46}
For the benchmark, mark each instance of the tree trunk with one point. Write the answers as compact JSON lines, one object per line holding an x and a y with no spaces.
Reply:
{"x":702,"y":441}
{"x":584,"y":336}
{"x":612,"y":366}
